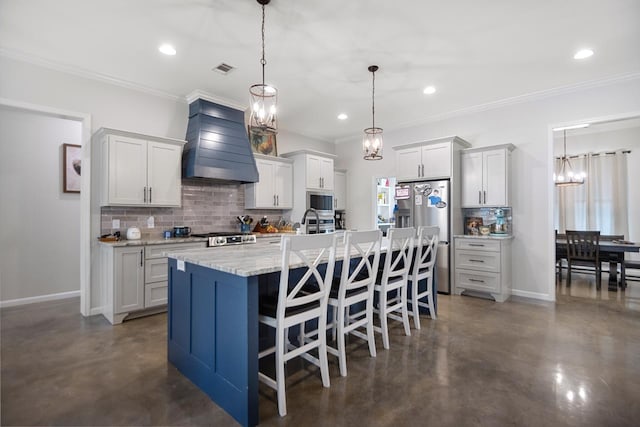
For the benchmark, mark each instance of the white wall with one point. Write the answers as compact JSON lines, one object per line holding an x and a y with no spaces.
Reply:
{"x":526,"y":125}
{"x":290,"y":141}
{"x":39,"y":224}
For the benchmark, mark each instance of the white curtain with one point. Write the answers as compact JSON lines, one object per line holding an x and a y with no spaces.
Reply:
{"x":601,"y":202}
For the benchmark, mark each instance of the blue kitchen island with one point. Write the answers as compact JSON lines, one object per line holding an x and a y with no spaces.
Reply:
{"x":213,"y":328}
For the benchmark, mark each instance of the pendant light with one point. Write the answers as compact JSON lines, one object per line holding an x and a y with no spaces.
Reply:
{"x":372,"y":142}
{"x":566,"y":177}
{"x":264,"y":98}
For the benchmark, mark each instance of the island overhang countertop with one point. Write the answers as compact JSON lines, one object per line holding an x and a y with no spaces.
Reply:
{"x":249,"y":260}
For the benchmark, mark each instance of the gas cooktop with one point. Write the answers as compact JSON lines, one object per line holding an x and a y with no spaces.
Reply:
{"x":222,"y":238}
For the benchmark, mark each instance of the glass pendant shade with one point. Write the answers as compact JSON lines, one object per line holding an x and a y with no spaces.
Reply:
{"x":566,"y":177}
{"x":264,"y":101}
{"x":372,"y":144}
{"x":372,"y":141}
{"x":264,"y":98}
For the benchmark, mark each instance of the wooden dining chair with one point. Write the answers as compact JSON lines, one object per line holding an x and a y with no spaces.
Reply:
{"x":583,"y":248}
{"x":302,"y":297}
{"x":561,"y":254}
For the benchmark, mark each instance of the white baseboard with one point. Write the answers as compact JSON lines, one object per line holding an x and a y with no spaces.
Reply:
{"x":533,"y":295}
{"x":40,"y":298}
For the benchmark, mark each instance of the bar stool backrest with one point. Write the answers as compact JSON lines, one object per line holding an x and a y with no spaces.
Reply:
{"x":397,"y":261}
{"x":426,"y":249}
{"x":306,"y":252}
{"x":366,"y":245}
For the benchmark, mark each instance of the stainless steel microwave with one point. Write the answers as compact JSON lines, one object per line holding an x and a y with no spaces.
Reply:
{"x":321,"y":202}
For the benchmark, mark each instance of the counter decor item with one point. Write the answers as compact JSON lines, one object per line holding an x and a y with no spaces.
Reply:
{"x":181,"y":231}
{"x":485,"y":230}
{"x":472,"y":225}
{"x":133,"y":233}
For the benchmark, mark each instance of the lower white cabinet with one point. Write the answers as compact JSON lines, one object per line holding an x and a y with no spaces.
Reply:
{"x":483,"y":265}
{"x":134,"y":278}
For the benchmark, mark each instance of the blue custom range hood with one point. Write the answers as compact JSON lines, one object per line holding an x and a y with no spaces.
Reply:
{"x":217,"y":144}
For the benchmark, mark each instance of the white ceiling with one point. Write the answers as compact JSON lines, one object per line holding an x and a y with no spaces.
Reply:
{"x":474,"y":52}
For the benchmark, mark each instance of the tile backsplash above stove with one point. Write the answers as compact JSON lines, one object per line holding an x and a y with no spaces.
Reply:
{"x":205,"y":207}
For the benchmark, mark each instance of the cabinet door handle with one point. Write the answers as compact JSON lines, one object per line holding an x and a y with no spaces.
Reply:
{"x":485,"y":197}
{"x":476,"y":244}
{"x":150,"y":188}
{"x":476,"y":260}
{"x":274,"y":200}
{"x":476,"y":280}
{"x":141,"y":258}
{"x":423,"y":170}
{"x":418,"y":170}
{"x":277,"y":200}
{"x":479,"y":197}
{"x":144,"y":190}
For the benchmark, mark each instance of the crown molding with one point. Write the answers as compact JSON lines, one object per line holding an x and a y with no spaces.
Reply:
{"x":201,"y":94}
{"x":520,"y":99}
{"x":76,"y":71}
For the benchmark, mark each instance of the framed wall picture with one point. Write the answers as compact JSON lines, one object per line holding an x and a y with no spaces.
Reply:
{"x":263,"y":142}
{"x":71,"y":167}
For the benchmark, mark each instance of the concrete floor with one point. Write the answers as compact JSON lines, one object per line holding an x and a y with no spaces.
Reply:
{"x":481,"y":363}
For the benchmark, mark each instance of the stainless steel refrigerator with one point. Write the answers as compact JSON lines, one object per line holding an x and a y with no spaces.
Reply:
{"x":428,"y":203}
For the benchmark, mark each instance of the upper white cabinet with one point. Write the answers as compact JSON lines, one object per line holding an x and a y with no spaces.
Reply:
{"x":274,"y":190}
{"x":138,"y":170}
{"x":486,"y":175}
{"x":319,"y":172}
{"x":340,"y":189}
{"x":315,"y":167}
{"x":428,"y":159}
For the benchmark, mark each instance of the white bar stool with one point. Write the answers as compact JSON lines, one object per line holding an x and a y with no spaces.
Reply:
{"x":397,"y":264}
{"x":423,"y":265}
{"x":355,"y":286}
{"x":294,"y":306}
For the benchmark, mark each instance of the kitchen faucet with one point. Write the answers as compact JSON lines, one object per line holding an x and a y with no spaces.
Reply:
{"x":315,"y":212}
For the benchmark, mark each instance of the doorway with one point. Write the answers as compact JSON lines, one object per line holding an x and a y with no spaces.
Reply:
{"x":384,"y":203}
{"x":608,"y":152}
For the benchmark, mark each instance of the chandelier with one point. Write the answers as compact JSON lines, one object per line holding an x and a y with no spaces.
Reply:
{"x":372,"y":142}
{"x":264,"y":98}
{"x":566,"y":177}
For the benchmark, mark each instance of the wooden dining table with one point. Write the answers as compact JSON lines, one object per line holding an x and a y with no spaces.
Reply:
{"x":611,"y":251}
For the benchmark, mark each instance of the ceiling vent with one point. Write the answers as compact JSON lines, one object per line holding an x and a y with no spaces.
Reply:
{"x":224,"y":68}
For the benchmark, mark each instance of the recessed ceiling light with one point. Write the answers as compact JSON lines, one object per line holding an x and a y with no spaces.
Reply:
{"x":167,"y":49}
{"x":429,"y":90}
{"x":583,"y":53}
{"x":580,"y":126}
{"x":342,"y":116}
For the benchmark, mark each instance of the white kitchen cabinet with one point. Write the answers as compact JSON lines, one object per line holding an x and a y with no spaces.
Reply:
{"x":319,"y":172}
{"x":312,"y":172}
{"x":138,"y":170}
{"x":340,"y":189}
{"x":432,"y":159}
{"x":483,"y":265}
{"x":135,"y":278}
{"x":128,"y":279}
{"x":274,"y":190}
{"x":486,"y":176}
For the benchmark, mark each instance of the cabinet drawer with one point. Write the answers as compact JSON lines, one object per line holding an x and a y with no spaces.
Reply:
{"x":478,"y":280}
{"x":157,"y":251}
{"x":478,"y":260}
{"x":155,"y":270}
{"x":478,"y":245}
{"x":155,"y":294}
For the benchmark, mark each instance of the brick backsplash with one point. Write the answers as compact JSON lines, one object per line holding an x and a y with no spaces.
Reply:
{"x":205,"y":207}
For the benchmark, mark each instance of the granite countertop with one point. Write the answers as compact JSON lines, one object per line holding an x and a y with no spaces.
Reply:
{"x":154,"y":241}
{"x":247,"y":260}
{"x":489,"y":237}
